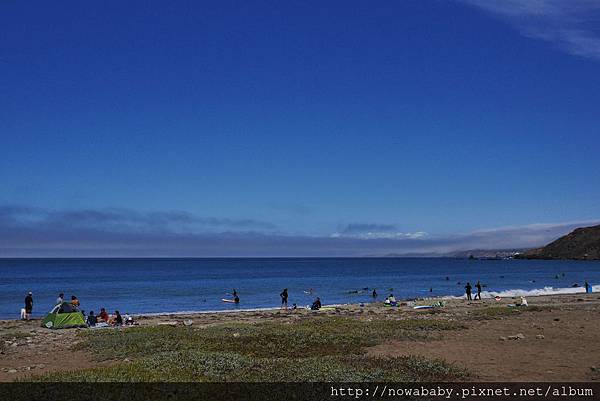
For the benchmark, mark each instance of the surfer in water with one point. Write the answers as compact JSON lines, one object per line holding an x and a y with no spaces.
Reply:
{"x":374,"y":293}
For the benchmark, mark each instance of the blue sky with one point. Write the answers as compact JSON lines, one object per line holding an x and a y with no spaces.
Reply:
{"x":344,"y":128}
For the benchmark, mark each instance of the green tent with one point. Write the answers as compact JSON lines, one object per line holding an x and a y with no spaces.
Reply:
{"x":63,"y":316}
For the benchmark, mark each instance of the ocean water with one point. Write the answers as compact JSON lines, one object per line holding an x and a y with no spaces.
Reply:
{"x":179,"y":285}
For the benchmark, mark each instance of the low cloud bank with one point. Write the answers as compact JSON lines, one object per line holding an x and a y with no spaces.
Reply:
{"x":35,"y":232}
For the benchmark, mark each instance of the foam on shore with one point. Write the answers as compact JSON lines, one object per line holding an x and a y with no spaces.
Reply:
{"x":537,"y":292}
{"x":546,"y":291}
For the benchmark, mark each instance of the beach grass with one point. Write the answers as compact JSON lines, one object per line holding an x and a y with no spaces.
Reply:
{"x":319,"y":349}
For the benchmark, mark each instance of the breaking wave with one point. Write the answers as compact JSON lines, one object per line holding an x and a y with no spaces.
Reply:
{"x":537,"y":292}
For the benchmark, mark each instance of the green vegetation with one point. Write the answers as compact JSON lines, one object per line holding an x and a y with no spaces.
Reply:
{"x":319,"y":349}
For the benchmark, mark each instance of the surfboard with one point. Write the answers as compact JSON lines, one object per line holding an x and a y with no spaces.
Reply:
{"x":231,"y":301}
{"x":423,"y":307}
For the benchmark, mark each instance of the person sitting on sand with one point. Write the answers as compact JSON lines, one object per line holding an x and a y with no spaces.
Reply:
{"x":284,"y":298}
{"x":92,"y":320}
{"x":117,"y":319}
{"x":103,"y":316}
{"x":75,"y":302}
{"x":391,"y":300}
{"x":60,"y":299}
{"x":317,"y":304}
{"x":128,"y":319}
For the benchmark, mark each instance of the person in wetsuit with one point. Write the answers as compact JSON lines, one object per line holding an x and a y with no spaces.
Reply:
{"x":468,"y":291}
{"x":284,"y":298}
{"x":317,"y":304}
{"x":28,"y":305}
{"x":478,"y":286}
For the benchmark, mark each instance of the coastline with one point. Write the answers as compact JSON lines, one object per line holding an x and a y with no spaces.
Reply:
{"x":510,"y":293}
{"x":559,"y":336}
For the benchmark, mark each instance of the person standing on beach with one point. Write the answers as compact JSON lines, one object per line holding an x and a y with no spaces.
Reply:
{"x":478,"y":286}
{"x":28,"y":305}
{"x":374,"y":293}
{"x":284,"y":298}
{"x":587,"y":287}
{"x":468,"y":291}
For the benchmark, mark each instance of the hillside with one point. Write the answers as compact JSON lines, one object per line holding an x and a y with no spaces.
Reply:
{"x":581,"y":244}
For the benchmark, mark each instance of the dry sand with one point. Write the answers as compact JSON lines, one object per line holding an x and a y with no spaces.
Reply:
{"x":560,"y":341}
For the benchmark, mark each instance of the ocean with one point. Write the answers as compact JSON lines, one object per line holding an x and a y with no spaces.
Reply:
{"x":145,"y":286}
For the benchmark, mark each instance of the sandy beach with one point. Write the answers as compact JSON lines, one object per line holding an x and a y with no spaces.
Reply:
{"x":553,"y":339}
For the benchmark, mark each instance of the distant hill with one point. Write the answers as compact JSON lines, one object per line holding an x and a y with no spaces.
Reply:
{"x":468,"y":254}
{"x":581,"y":244}
{"x":486,"y":254}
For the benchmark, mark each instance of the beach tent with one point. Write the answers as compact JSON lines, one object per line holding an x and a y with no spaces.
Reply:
{"x":63,"y":316}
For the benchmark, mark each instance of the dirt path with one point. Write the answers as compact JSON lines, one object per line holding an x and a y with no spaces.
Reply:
{"x":558,"y":345}
{"x":28,"y":349}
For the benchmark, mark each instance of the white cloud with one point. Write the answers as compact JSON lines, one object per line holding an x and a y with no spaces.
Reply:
{"x":572,"y":25}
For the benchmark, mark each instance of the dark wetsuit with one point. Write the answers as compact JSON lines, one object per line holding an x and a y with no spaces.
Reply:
{"x":28,"y":303}
{"x":316,"y":305}
{"x":284,"y":297}
{"x":478,"y":296}
{"x":468,"y":290}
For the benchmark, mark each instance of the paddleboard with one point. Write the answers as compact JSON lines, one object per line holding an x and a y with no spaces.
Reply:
{"x":231,"y":301}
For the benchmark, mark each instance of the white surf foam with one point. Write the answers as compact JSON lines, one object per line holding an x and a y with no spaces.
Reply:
{"x":536,"y":292}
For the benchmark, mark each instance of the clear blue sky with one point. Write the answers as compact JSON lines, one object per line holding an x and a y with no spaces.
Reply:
{"x":300,"y":119}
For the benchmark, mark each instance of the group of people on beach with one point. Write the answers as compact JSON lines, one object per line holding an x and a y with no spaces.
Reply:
{"x":469,"y":288}
{"x":92,"y":320}
{"x":103,"y":319}
{"x":316,"y":305}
